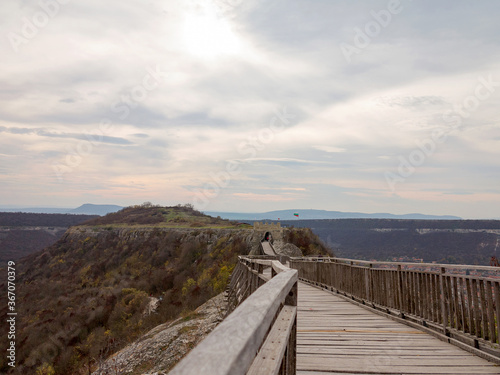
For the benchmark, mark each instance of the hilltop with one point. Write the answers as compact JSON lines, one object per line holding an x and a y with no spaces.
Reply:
{"x":165,"y":217}
{"x":110,"y":280}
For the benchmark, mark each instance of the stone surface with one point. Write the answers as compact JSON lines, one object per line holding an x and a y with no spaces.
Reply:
{"x":157,"y":352}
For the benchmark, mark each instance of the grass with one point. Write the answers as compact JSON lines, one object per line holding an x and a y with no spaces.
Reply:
{"x":161,"y":217}
{"x":165,"y":225}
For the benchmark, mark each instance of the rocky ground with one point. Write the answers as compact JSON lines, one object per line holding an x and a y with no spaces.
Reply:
{"x":160,"y":349}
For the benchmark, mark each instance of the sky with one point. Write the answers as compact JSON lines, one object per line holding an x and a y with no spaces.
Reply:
{"x":251,"y":106}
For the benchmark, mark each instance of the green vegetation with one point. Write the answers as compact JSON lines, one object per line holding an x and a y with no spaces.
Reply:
{"x":443,"y":241}
{"x":308,"y":242}
{"x":181,"y":216}
{"x":85,"y":297}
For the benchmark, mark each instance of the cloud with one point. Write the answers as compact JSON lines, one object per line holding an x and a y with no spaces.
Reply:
{"x":330,"y":149}
{"x":51,"y":134}
{"x":220,"y":86}
{"x":263,"y":197}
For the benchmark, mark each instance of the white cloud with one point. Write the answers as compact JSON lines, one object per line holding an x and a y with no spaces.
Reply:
{"x":227,"y":67}
{"x":330,"y":149}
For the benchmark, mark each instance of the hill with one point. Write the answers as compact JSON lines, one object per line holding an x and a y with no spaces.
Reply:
{"x":25,"y":233}
{"x":96,"y":209}
{"x":322,"y":214}
{"x":166,"y":217}
{"x":90,"y":294}
{"x":85,"y":209}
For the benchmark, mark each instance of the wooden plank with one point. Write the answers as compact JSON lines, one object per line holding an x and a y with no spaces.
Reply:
{"x":430,"y":265}
{"x":437,"y":304}
{"x":232,"y":345}
{"x":490,"y":315}
{"x":444,"y":306}
{"x":470,"y":307}
{"x":449,"y":300}
{"x":270,"y":356}
{"x":476,"y":309}
{"x":456,"y":307}
{"x":496,"y":287}
{"x":484,"y":309}
{"x":463,"y":309}
{"x":426,"y":297}
{"x":335,"y":336}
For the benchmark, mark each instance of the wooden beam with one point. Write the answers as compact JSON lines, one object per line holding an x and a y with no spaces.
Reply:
{"x":230,"y":349}
{"x":270,"y":357}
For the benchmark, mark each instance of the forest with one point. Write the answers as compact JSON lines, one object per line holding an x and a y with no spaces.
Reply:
{"x":442,"y":241}
{"x":84,"y":297}
{"x":23,"y":219}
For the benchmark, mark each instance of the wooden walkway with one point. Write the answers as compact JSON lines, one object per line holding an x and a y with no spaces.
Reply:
{"x":267,"y":248}
{"x":337,"y":337}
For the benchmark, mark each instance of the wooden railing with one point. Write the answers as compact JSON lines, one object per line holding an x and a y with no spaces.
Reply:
{"x":445,"y":298}
{"x":259,"y":334}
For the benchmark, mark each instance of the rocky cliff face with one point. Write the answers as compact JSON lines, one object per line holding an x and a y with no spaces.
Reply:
{"x":157,"y":352}
{"x":84,"y":298}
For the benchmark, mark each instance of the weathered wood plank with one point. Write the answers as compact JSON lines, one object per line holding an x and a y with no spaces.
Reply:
{"x":335,"y":336}
{"x":231,"y":347}
{"x":270,"y":357}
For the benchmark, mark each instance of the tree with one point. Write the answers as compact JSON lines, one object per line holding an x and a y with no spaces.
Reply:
{"x":45,"y":369}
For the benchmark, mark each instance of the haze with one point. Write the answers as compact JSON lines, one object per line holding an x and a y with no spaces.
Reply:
{"x":367,"y":106}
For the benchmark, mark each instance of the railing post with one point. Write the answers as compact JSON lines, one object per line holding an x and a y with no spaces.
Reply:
{"x":444,"y":305}
{"x":351,"y":281}
{"x":369,"y":282}
{"x":400,"y":292}
{"x":291,"y":360}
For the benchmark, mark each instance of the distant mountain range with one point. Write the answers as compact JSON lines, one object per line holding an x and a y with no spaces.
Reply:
{"x":103,"y":209}
{"x":85,"y":209}
{"x":323,"y":214}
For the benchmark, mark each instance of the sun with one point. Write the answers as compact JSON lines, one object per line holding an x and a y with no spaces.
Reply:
{"x":207,"y":35}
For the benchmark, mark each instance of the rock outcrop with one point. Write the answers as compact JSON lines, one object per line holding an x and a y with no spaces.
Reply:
{"x":160,"y":349}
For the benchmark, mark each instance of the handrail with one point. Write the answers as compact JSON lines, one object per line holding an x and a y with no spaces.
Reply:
{"x":232,"y":346}
{"x":405,"y":264}
{"x":462,"y":307}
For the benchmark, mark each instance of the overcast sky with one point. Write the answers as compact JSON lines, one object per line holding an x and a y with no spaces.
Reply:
{"x":250,"y":105}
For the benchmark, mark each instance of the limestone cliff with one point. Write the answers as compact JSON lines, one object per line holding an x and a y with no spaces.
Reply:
{"x":157,"y":352}
{"x":85,"y":297}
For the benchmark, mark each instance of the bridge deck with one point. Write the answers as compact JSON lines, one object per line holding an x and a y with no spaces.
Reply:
{"x":268,"y":249}
{"x":337,"y":337}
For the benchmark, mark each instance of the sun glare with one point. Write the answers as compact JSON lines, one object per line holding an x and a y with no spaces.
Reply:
{"x":207,"y":35}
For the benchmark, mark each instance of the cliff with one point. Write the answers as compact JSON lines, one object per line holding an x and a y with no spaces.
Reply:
{"x":104,"y":284}
{"x":156,"y":352}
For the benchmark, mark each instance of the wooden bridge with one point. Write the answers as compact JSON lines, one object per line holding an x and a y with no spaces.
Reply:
{"x":330,"y":316}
